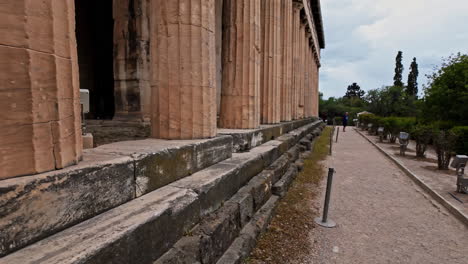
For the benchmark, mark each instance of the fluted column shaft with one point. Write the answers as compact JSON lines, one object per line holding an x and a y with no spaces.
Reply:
{"x":39,"y":93}
{"x":310,"y":84}
{"x":302,"y":61}
{"x":296,"y":59}
{"x":240,"y":95}
{"x":287,"y":35}
{"x":183,"y":69}
{"x":271,"y":62}
{"x":307,"y":90}
{"x":315,"y":74}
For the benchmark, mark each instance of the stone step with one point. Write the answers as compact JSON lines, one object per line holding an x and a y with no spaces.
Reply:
{"x":246,"y":139}
{"x":37,"y":206}
{"x":142,"y":229}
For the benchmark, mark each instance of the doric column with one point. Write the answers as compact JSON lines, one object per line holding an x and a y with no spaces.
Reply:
{"x":271,"y":62}
{"x":302,"y":61}
{"x":307,"y":90}
{"x":297,"y":6}
{"x":287,"y":35}
{"x":240,"y":96}
{"x":183,"y":69}
{"x":39,"y":92}
{"x":315,"y":76}
{"x":132,"y":89}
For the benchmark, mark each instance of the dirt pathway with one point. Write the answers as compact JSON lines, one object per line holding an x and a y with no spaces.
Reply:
{"x":382,"y":216}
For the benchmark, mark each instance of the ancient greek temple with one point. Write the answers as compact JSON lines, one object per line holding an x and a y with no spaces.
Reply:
{"x":186,"y":66}
{"x":227,"y":90}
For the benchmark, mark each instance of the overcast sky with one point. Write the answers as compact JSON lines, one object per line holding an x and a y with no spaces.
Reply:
{"x":363,"y":37}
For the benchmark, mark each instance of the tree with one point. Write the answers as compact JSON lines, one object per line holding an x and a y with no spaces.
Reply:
{"x":412,"y":88}
{"x":354,"y":90}
{"x":397,"y":79}
{"x":390,"y":101}
{"x":446,"y":95}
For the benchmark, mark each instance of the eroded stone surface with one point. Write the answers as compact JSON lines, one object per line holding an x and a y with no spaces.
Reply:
{"x":40,"y":110}
{"x":184,"y":69}
{"x":159,"y":168}
{"x":240,"y":97}
{"x":271,"y":62}
{"x":148,"y":226}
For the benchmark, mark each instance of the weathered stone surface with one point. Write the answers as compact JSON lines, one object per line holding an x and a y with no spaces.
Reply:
{"x":139,"y":231}
{"x":220,"y":182}
{"x":246,"y":139}
{"x":132,"y":90}
{"x":306,"y":143}
{"x":40,"y":109}
{"x":293,"y":153}
{"x":245,"y":201}
{"x":286,"y":38}
{"x":279,"y":167}
{"x":218,"y":231}
{"x":295,"y":57}
{"x":185,"y":251}
{"x":281,"y":187}
{"x":169,"y":161}
{"x":243,"y":245}
{"x":271,"y":72}
{"x":240,"y":96}
{"x":260,"y":188}
{"x":35,"y":207}
{"x":183,"y":56}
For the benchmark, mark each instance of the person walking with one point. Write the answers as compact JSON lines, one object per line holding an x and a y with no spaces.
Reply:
{"x":345,"y":121}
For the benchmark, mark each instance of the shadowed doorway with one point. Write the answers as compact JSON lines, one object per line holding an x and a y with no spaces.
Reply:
{"x":94,"y":34}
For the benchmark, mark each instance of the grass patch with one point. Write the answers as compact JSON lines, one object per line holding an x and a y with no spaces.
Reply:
{"x":287,"y":238}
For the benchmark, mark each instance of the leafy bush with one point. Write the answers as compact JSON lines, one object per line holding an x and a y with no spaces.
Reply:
{"x":394,"y":125}
{"x":366,"y":119}
{"x":444,"y":143}
{"x":422,"y":134}
{"x":461,"y":145}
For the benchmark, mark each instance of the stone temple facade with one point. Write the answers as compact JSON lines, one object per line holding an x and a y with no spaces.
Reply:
{"x":188,"y":67}
{"x":226,"y":94}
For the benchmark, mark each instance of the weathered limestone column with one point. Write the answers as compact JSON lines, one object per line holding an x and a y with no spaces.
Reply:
{"x":39,"y":92}
{"x":240,"y":96}
{"x":287,"y":35}
{"x":315,"y":68}
{"x":307,"y":89}
{"x":132,"y":89}
{"x":271,"y":62}
{"x":302,"y":54}
{"x":297,"y":6}
{"x":183,"y":63}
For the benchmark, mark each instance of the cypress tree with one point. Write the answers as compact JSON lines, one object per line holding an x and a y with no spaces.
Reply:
{"x":397,"y":79}
{"x":412,"y":88}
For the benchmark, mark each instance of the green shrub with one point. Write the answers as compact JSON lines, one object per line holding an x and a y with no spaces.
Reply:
{"x":366,"y":119}
{"x":444,"y":143}
{"x":390,"y":125}
{"x":461,"y":145}
{"x":443,"y":125}
{"x":423,"y":135}
{"x":394,"y":125}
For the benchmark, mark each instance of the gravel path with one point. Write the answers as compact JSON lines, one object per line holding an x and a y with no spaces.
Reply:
{"x":382,"y":216}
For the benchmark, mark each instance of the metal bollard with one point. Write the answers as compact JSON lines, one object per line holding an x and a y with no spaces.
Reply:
{"x":337,"y":133}
{"x":331,"y":140}
{"x":324,"y":221}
